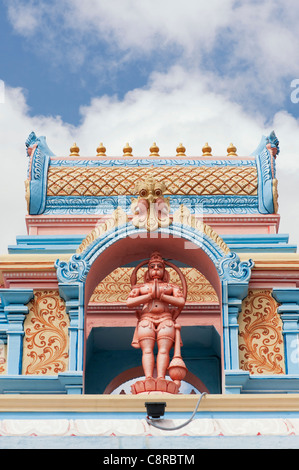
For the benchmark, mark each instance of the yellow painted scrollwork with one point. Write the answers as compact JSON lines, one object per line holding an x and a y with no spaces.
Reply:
{"x":45,"y":349}
{"x":260,"y":334}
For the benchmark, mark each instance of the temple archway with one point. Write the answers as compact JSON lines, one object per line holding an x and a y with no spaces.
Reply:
{"x":199,"y":247}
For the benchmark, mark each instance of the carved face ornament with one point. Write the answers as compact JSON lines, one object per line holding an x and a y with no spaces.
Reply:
{"x":151,"y":209}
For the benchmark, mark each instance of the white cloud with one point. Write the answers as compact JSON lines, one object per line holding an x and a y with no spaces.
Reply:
{"x":16,"y":125}
{"x":250,"y":48}
{"x":262,"y":33}
{"x":25,"y":17}
{"x":227,"y":52}
{"x":2,"y":91}
{"x":175,"y":107}
{"x":151,"y":23}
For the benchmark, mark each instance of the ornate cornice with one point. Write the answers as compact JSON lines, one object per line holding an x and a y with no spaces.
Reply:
{"x":182,"y":217}
{"x":151,"y":162}
{"x":77,"y":185}
{"x":208,"y":204}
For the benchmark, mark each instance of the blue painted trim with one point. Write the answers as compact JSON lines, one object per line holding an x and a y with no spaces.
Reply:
{"x":139,"y":415}
{"x":218,"y":204}
{"x":233,"y":292}
{"x":68,"y":383}
{"x":288,"y":295}
{"x":266,"y":167}
{"x":15,"y":296}
{"x":263,"y":248}
{"x":256,"y":238}
{"x":14,"y":302}
{"x":76,"y":270}
{"x":270,"y":139}
{"x":32,"y":140}
{"x":225,"y":325}
{"x":277,"y":243}
{"x":265,"y":182}
{"x":44,"y":249}
{"x":38,"y":172}
{"x":32,"y":240}
{"x":46,"y":244}
{"x":147,"y":162}
{"x":239,"y":381}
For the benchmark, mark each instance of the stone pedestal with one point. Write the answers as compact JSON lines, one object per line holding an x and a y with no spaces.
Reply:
{"x":154,"y":385}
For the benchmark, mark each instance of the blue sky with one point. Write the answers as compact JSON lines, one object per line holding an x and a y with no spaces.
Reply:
{"x":144,"y":71}
{"x":61,"y":69}
{"x":59,"y":78}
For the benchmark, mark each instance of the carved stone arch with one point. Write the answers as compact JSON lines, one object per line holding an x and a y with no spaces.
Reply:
{"x":117,"y":242}
{"x":194,"y":233}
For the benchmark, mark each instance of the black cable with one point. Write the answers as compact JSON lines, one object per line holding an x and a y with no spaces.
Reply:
{"x":152,"y":423}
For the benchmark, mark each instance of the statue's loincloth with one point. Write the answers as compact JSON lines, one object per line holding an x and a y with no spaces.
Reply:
{"x":156,"y":322}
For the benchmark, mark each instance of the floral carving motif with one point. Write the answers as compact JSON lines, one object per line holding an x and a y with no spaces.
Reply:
{"x":75,"y":270}
{"x":46,"y":335}
{"x":116,"y":286}
{"x":232,"y":269}
{"x":260,"y":334}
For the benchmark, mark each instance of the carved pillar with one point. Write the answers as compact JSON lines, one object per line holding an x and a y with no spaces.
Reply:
{"x":289,"y":312}
{"x":72,"y":277}
{"x":3,"y":340}
{"x":15,"y":310}
{"x":235,"y":378}
{"x":234,"y":276}
{"x":71,"y":294}
{"x":235,"y":294}
{"x":234,"y":308}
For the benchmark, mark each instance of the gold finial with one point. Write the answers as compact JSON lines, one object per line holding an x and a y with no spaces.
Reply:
{"x":154,"y":150}
{"x":231,"y":151}
{"x":127,"y":150}
{"x":74,"y":150}
{"x":180,"y":151}
{"x":206,"y":150}
{"x":101,"y":150}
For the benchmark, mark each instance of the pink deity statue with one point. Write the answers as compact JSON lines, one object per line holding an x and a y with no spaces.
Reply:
{"x":159,"y":303}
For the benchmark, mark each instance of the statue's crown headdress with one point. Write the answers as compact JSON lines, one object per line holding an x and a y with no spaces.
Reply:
{"x":155,"y":256}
